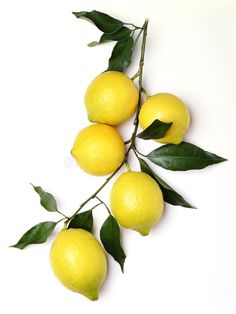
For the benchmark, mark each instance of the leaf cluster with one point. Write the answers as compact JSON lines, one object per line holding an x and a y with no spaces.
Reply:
{"x":109,"y":233}
{"x":181,"y":157}
{"x":113,"y":31}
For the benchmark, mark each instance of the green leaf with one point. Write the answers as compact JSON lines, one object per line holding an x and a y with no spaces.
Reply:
{"x":155,"y":130}
{"x":37,"y":234}
{"x":83,"y":220}
{"x":121,"y":55}
{"x":184,"y":156}
{"x":120,"y":35}
{"x":46,"y":199}
{"x":104,"y":22}
{"x":93,"y":44}
{"x":110,"y":237}
{"x":170,"y":196}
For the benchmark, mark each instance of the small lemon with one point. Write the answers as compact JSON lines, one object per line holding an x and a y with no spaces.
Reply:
{"x":111,"y":98}
{"x":79,"y":262}
{"x":99,"y":149}
{"x":166,"y":108}
{"x":136,"y":201}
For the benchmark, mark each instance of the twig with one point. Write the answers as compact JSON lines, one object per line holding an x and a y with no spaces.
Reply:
{"x":104,"y":204}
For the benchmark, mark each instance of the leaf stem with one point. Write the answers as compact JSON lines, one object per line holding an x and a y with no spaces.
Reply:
{"x":137,"y":152}
{"x":145,"y":92}
{"x":59,"y":212}
{"x":61,"y":220}
{"x":101,"y":201}
{"x":96,"y":206}
{"x":135,"y":76}
{"x":127,"y":166}
{"x":131,"y":24}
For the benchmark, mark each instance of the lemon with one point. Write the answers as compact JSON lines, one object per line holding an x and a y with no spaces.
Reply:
{"x":166,"y":108}
{"x":111,"y":98}
{"x":136,"y":201}
{"x":99,"y":149}
{"x":79,"y":262}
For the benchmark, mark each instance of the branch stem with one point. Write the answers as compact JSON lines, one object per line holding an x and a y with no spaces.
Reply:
{"x":139,"y":74}
{"x":97,"y":191}
{"x":140,"y":83}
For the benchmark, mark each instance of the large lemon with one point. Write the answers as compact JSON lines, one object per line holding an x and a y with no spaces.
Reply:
{"x":166,"y":108}
{"x":136,"y":201}
{"x":111,"y":98}
{"x":79,"y":262}
{"x":99,"y":149}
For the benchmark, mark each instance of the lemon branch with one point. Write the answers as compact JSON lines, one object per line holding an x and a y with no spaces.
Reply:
{"x":136,"y":123}
{"x":141,"y":89}
{"x":95,"y":193}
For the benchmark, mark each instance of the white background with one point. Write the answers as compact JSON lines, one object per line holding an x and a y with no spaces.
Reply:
{"x":187,"y":263}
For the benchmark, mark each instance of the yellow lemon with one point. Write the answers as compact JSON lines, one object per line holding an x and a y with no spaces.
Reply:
{"x":99,"y":149}
{"x":79,"y":262}
{"x":111,"y":98}
{"x":166,"y":108}
{"x":136,"y":201}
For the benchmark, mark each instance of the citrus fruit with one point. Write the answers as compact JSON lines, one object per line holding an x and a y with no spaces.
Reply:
{"x":99,"y":149}
{"x":166,"y":108}
{"x":111,"y":98}
{"x":79,"y":262}
{"x":136,"y":201}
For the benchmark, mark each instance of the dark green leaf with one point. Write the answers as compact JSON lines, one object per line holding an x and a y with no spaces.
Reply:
{"x":110,"y":237}
{"x":121,"y":34}
{"x":83,"y":220}
{"x":155,"y":130}
{"x":104,"y":22}
{"x":37,"y":234}
{"x":184,"y":156}
{"x":46,"y":199}
{"x":121,"y":55}
{"x":170,"y":196}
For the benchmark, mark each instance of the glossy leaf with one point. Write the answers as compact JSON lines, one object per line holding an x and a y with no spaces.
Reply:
{"x":47,"y":200}
{"x":83,"y":220}
{"x":170,"y":196}
{"x":157,"y":129}
{"x":121,"y":34}
{"x":110,"y":237}
{"x":37,"y":234}
{"x":104,"y":22}
{"x":121,"y":55}
{"x":184,"y":156}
